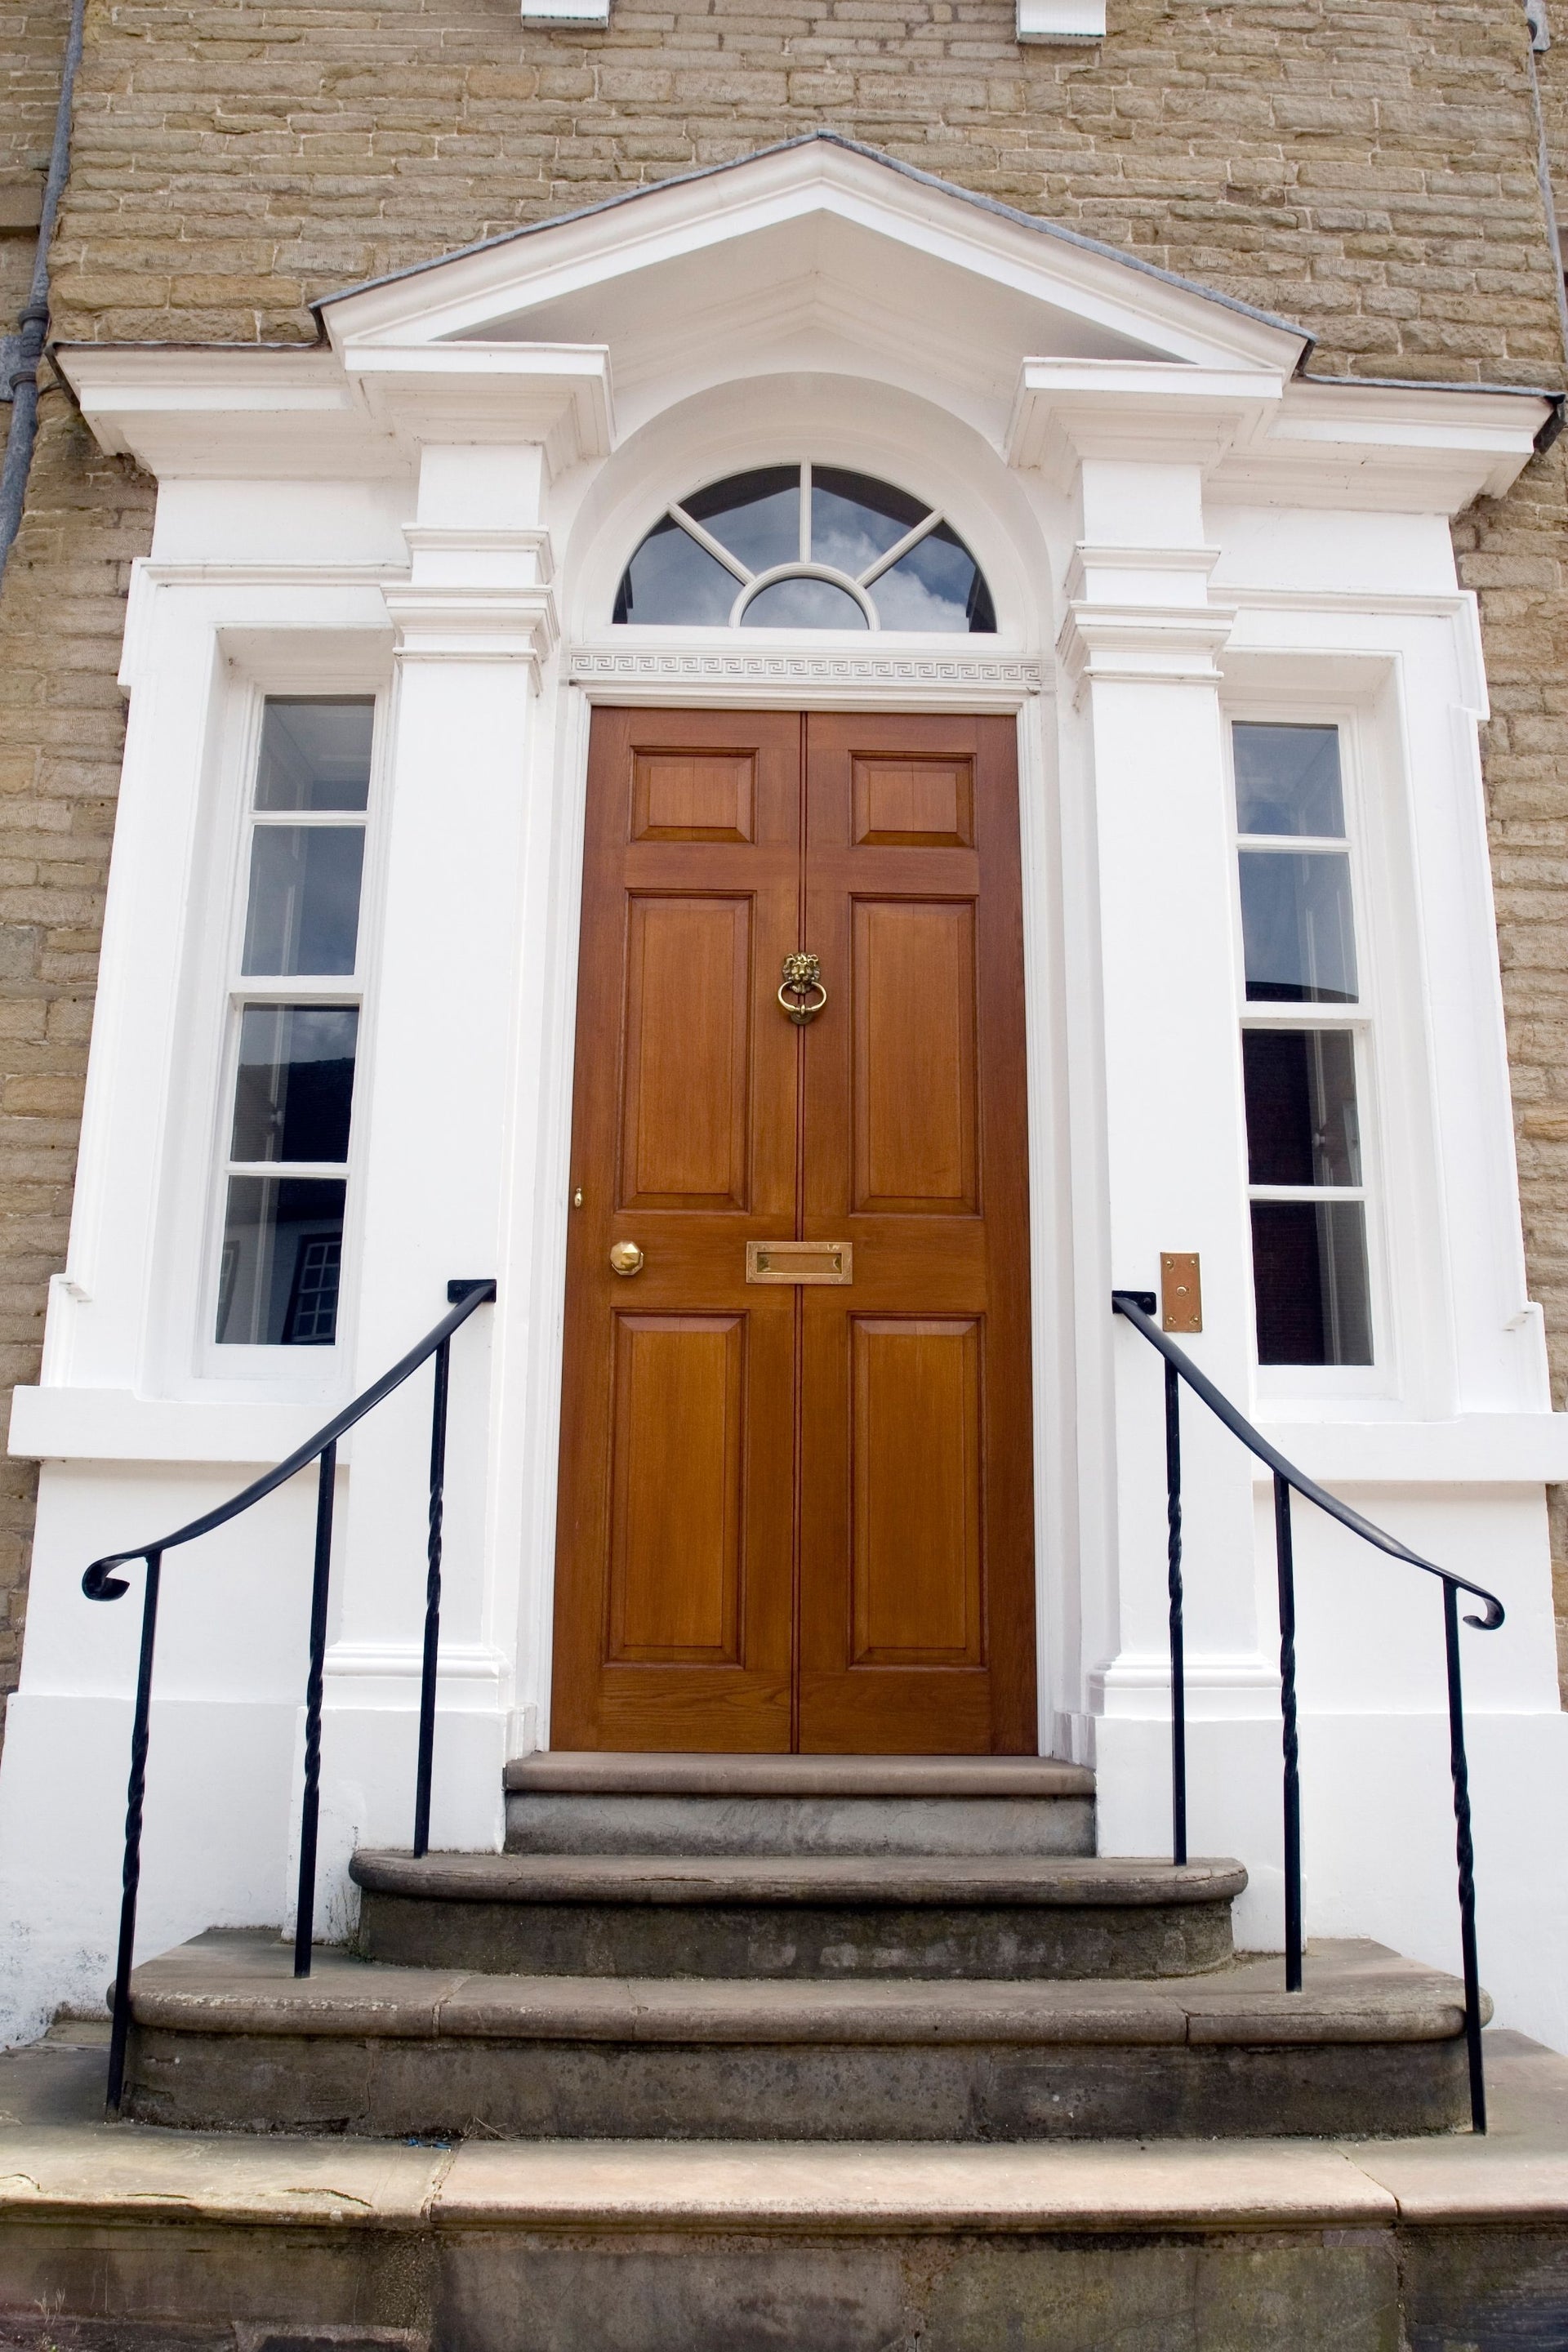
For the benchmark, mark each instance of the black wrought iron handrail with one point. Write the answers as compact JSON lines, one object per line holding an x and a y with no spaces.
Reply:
{"x":100,"y":1583}
{"x":1138,"y":1307}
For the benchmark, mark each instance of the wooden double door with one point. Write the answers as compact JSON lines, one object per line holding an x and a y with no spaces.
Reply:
{"x":795,"y":1471}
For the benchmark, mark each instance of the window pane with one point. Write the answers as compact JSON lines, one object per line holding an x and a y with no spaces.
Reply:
{"x":304,"y":898}
{"x":315,"y":752}
{"x":755,"y":516}
{"x":671,"y":579}
{"x":295,"y":1086}
{"x":1309,"y":1281}
{"x":1296,"y":927}
{"x":1288,"y":780}
{"x":937,"y":585}
{"x":804,"y":604}
{"x":282,"y":1256}
{"x":854,"y":520}
{"x":1301,"y":1122}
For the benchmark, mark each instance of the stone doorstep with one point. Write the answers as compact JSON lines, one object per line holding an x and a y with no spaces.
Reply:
{"x":565,"y":1773}
{"x":229,"y":1982}
{"x":57,"y":2163}
{"x":876,"y":1880}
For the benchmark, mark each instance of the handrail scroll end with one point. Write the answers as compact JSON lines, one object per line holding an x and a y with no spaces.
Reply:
{"x":100,"y":1583}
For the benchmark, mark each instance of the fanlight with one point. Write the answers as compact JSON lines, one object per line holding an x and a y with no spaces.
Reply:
{"x":804,"y":546}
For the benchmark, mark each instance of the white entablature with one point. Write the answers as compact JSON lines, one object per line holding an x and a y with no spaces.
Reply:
{"x":819,"y":256}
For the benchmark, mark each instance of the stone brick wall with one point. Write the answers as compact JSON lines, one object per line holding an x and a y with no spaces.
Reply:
{"x":32,"y":42}
{"x":1365,"y":166}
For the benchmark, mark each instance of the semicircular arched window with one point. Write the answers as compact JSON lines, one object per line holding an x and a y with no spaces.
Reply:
{"x":804,"y":546}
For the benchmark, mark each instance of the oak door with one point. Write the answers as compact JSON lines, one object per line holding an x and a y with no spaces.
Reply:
{"x":798,"y":1514}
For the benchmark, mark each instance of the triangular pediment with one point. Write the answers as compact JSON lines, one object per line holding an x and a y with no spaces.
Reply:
{"x":819,"y":241}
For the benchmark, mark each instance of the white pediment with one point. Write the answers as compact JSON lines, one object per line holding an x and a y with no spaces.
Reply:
{"x":817,"y":243}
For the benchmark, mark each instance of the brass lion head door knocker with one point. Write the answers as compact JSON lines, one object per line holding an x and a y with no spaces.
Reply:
{"x":802,"y":982}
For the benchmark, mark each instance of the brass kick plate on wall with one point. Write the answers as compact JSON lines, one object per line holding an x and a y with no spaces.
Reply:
{"x":800,"y":1262}
{"x":1181,"y":1292}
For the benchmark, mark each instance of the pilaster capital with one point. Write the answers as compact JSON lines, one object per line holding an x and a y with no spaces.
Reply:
{"x":456,"y":622}
{"x":1150,"y":412}
{"x":1145,"y":644}
{"x":473,"y":393}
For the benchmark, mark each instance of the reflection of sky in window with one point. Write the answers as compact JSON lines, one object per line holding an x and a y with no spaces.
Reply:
{"x":315,"y":753}
{"x":756,"y":516}
{"x":1288,"y":780}
{"x":804,"y":604}
{"x":1296,"y":927}
{"x":854,"y":520}
{"x":931,"y":586}
{"x":670,"y":578}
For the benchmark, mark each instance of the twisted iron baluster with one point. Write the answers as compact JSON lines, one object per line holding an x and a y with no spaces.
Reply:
{"x":130,"y":1875}
{"x":1285,"y":1562}
{"x":310,"y":1809}
{"x":1466,"y":1855}
{"x":432,"y":1605}
{"x":1173,"y":1586}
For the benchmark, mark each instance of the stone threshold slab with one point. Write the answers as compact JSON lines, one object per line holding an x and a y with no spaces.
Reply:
{"x":563,"y":1772}
{"x":882,"y":1881}
{"x":57,"y":2162}
{"x":233,"y":1983}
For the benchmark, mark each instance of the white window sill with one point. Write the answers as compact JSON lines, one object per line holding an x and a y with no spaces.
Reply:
{"x":1061,"y":20}
{"x":566,"y":12}
{"x":1501,"y":1449}
{"x":61,"y":1424}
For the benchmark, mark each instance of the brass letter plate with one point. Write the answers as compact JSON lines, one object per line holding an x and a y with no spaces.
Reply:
{"x":800,"y":1262}
{"x":1181,"y":1293}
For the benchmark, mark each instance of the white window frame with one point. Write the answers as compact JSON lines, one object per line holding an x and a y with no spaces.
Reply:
{"x":279,"y":1370}
{"x":1365,"y":1022}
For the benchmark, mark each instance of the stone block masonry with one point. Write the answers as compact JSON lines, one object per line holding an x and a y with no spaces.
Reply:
{"x":1368,"y":167}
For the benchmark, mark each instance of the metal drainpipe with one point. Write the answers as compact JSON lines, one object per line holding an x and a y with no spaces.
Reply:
{"x":34,"y":321}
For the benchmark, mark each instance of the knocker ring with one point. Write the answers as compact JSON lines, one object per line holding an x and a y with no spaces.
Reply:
{"x":802,"y":980}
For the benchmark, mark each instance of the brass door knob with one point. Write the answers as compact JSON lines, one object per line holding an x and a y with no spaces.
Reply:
{"x":626,"y":1258}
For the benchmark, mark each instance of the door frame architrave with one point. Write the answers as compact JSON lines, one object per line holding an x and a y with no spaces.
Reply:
{"x":684,"y":675}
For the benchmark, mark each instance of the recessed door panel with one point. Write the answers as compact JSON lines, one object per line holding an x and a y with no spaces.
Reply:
{"x":676,"y":1552}
{"x":684,"y":796}
{"x":685,"y":1120}
{"x":913,"y":804}
{"x":916,"y":1449}
{"x":916,"y":1113}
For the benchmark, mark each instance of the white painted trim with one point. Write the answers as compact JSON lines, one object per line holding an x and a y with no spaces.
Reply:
{"x":1061,"y":20}
{"x":566,"y":12}
{"x":633,"y":673}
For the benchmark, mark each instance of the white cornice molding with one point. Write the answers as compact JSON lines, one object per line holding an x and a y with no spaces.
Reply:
{"x":1148,"y":645}
{"x":557,"y":394}
{"x":1150,"y":411}
{"x":474,"y":624}
{"x":645,"y":674}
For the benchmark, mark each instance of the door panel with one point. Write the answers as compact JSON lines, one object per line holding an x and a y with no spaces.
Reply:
{"x":916,"y":1116}
{"x":674,"y":1604}
{"x":915,"y":1445}
{"x":676,"y":1552}
{"x":921,"y":1075}
{"x":798,"y":1516}
{"x":685,"y":1099}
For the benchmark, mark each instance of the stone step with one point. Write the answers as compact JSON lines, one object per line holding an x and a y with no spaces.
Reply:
{"x":795,"y":1916}
{"x":117,"y":2238}
{"x":958,"y":1805}
{"x":225,"y":2037}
